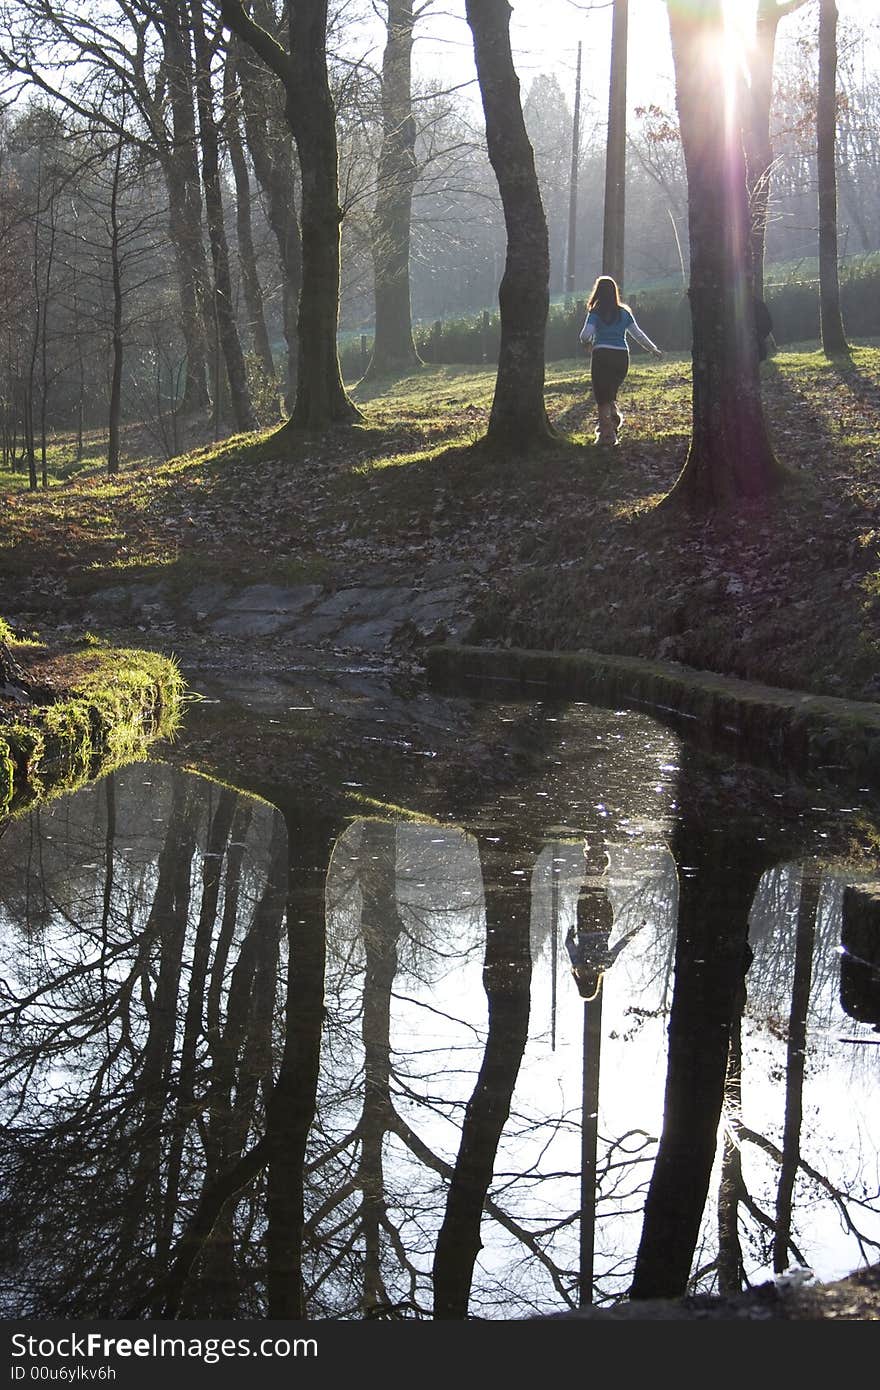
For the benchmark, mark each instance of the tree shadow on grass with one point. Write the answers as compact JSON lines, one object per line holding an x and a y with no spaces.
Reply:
{"x":866,"y":389}
{"x":800,"y":431}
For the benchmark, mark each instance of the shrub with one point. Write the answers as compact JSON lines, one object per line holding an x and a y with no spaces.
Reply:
{"x":664,"y":314}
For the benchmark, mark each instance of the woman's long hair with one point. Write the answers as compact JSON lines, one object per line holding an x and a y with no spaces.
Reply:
{"x":605,"y":298}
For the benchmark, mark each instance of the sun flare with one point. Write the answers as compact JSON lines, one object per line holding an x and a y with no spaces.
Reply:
{"x":738,"y":39}
{"x":739,"y":25}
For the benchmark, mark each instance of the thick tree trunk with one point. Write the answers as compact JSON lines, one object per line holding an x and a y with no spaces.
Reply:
{"x":247,"y":257}
{"x":730,"y":456}
{"x":615,"y":148}
{"x":518,"y":417}
{"x":226,"y":327}
{"x":833,"y":336}
{"x":291,"y":1109}
{"x":321,"y":399}
{"x":393,"y":347}
{"x":711,"y":959}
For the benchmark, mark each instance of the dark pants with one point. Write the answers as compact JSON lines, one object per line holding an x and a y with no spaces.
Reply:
{"x":608,"y":368}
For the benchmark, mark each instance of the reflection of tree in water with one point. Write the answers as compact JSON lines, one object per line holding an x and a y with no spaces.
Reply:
{"x":778,"y":1173}
{"x":725,"y":889}
{"x":118,"y":1105}
{"x":378,"y":1229}
{"x":445,"y":1107}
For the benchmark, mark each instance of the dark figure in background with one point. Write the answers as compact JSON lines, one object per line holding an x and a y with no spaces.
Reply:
{"x":763,"y":329}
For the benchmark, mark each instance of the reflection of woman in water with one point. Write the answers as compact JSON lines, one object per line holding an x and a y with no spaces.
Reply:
{"x":587,"y":941}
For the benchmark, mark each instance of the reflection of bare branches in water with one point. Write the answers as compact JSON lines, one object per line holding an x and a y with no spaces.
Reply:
{"x":164,"y":1035}
{"x":104,"y":1087}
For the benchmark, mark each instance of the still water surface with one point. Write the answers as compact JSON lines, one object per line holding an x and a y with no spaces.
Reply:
{"x":323,"y":1052}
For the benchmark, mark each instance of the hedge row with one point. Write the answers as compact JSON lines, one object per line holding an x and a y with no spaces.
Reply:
{"x":663,"y":314}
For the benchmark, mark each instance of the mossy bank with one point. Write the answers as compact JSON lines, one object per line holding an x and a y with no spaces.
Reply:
{"x":107,"y":705}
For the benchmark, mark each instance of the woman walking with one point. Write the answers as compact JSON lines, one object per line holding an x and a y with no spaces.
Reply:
{"x":604,"y":334}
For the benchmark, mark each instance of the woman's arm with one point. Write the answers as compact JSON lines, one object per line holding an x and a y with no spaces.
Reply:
{"x":643,"y":339}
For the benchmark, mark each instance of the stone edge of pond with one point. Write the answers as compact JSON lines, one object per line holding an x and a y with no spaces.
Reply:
{"x":121,"y":703}
{"x":814,"y":735}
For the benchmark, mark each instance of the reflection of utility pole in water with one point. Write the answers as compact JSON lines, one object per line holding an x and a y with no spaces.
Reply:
{"x":589,"y":1144}
{"x":587,"y":946}
{"x":554,"y":944}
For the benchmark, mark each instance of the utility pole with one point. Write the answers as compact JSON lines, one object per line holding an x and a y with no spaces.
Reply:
{"x":573,"y":181}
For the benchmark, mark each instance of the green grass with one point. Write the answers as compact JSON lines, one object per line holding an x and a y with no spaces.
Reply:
{"x":62,"y":462}
{"x":118,"y":701}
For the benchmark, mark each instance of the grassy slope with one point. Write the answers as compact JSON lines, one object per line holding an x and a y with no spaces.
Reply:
{"x":561,"y":549}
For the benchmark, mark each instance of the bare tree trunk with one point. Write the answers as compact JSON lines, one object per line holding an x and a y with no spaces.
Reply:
{"x":730,"y":456}
{"x":115,"y":411}
{"x":321,"y":399}
{"x":181,"y":170}
{"x":758,"y":146}
{"x":270,"y":143}
{"x":227,"y":329}
{"x":615,"y":149}
{"x":30,"y":388}
{"x":518,"y":417}
{"x":44,"y":341}
{"x":393,"y":347}
{"x":833,"y":336}
{"x":250,"y":279}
